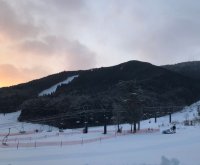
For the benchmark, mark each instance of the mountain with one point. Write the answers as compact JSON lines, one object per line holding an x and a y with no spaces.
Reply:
{"x":190,"y":69}
{"x":101,"y":92}
{"x":12,"y":97}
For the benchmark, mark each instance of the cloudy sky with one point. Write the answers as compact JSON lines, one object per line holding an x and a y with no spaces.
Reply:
{"x":41,"y":37}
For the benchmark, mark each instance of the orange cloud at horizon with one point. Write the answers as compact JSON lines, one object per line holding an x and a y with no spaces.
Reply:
{"x":8,"y":84}
{"x":11,"y":75}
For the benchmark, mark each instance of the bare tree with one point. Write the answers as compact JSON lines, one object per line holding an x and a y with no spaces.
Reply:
{"x":134,"y":110}
{"x":118,"y":117}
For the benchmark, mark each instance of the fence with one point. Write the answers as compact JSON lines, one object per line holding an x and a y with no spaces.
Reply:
{"x":18,"y":143}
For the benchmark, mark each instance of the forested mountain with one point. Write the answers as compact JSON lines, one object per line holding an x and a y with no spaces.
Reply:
{"x":12,"y":97}
{"x":106,"y":89}
{"x":190,"y":69}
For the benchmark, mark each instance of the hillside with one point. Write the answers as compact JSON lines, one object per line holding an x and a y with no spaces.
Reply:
{"x":100,"y":92}
{"x":12,"y":97}
{"x":190,"y":69}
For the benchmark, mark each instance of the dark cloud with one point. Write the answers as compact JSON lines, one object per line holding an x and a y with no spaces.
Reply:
{"x":168,"y":32}
{"x":12,"y":26}
{"x":37,"y":47}
{"x":67,"y":11}
{"x":80,"y":34}
{"x":67,"y":4}
{"x":76,"y":55}
{"x":159,"y":32}
{"x":176,"y":41}
{"x":80,"y":57}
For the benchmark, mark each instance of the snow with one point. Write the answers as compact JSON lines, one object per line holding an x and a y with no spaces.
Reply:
{"x":74,"y":147}
{"x":53,"y":88}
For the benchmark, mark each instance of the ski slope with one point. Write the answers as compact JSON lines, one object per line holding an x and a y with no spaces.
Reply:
{"x":54,"y":87}
{"x":74,"y":148}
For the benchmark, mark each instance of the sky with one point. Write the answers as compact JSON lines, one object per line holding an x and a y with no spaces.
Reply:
{"x":42,"y":37}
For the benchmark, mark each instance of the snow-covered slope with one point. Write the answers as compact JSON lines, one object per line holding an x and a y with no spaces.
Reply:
{"x":53,"y":88}
{"x":73,"y":147}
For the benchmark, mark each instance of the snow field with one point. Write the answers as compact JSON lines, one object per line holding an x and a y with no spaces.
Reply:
{"x":144,"y":148}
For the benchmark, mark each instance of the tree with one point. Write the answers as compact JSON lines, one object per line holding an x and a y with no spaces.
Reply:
{"x":118,"y":113}
{"x":134,"y":110}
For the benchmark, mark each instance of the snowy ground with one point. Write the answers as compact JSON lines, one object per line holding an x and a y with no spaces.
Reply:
{"x":74,"y":148}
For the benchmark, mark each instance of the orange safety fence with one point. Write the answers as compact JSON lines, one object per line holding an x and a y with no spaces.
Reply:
{"x":17,"y":143}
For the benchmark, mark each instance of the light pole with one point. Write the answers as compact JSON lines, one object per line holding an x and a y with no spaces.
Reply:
{"x":105,"y":124}
{"x":61,"y":129}
{"x":86,"y":127}
{"x":85,"y":130}
{"x":118,"y":129}
{"x":170,"y":117}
